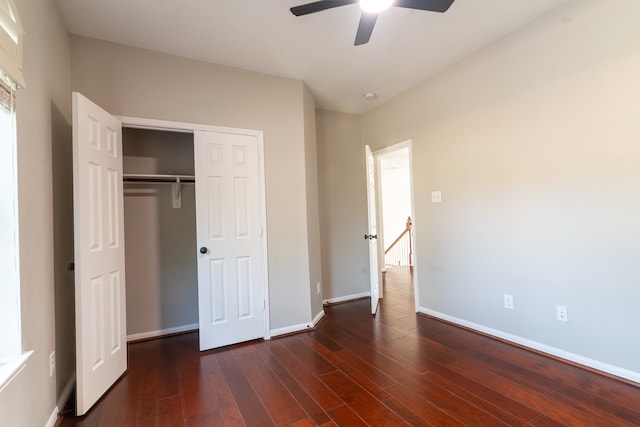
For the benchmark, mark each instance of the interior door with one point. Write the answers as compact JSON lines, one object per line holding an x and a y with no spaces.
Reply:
{"x":372,"y":237}
{"x":231,"y":296}
{"x":101,"y":350}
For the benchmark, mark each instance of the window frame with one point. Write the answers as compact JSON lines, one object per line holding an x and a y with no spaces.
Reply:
{"x":13,"y":359}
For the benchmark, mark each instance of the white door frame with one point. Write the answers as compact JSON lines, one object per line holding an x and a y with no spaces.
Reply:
{"x":376,"y":155}
{"x":170,"y":126}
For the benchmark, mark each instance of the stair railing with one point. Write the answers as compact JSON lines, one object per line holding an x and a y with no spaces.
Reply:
{"x":400,"y":252}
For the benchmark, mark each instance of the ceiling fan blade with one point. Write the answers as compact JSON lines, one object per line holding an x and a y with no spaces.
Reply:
{"x":319,"y":6}
{"x":365,"y":28}
{"x":430,"y":5}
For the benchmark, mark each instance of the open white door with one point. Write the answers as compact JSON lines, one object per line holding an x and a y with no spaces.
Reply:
{"x":231,"y":295}
{"x":101,"y":350}
{"x":372,"y":237}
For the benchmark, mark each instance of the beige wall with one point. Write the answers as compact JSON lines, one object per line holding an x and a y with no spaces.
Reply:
{"x":43,"y":117}
{"x":343,"y":205}
{"x":313,"y":213}
{"x":160,"y":240}
{"x":534,"y":143}
{"x":139,"y":83}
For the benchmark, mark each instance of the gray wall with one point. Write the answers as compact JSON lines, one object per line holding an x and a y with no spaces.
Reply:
{"x":160,"y":241}
{"x":44,"y":186}
{"x":534,"y":143}
{"x":134,"y":82}
{"x":343,"y":205}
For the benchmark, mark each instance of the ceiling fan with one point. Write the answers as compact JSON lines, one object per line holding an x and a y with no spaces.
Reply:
{"x":370,"y":11}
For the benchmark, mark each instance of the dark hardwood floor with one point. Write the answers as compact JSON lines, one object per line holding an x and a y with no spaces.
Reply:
{"x":356,"y":370}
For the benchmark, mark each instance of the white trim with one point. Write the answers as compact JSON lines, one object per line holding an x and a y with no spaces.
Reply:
{"x":290,"y":329}
{"x":171,"y":126}
{"x":11,"y":345}
{"x":347,"y":298}
{"x":576,"y":358}
{"x":66,"y":392}
{"x":297,"y":328}
{"x":263,"y":233}
{"x":51,"y":422}
{"x":381,"y":152}
{"x":317,"y":319}
{"x":185,"y":127}
{"x":161,"y":332}
{"x":64,"y":396}
{"x":10,"y":368}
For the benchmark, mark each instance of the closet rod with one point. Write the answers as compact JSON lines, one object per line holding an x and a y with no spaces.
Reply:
{"x":158,"y":179}
{"x":149,"y":181}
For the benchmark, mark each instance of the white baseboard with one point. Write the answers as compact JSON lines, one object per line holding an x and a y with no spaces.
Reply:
{"x":62,"y":399}
{"x":317,"y":318}
{"x":51,"y":422}
{"x":576,"y":358}
{"x":291,"y":329}
{"x":297,"y":328}
{"x":161,"y":332}
{"x":66,"y":392}
{"x":347,"y":298}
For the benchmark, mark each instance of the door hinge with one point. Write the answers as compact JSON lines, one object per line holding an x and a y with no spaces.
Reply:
{"x":264,"y":304}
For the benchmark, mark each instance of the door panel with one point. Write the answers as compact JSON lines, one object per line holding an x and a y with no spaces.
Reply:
{"x":373,"y":230}
{"x":230,"y":280}
{"x":101,"y":351}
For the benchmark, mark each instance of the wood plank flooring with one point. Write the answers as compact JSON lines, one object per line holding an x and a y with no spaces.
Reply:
{"x":395,"y":369}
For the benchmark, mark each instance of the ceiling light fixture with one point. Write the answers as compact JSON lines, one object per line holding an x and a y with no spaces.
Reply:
{"x":375,"y":6}
{"x":370,"y":96}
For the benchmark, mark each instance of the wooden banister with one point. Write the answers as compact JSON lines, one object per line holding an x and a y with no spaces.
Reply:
{"x":395,"y":242}
{"x":402,"y":248}
{"x":406,"y":230}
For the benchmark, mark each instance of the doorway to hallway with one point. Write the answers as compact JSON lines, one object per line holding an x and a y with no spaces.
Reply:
{"x":395,"y":211}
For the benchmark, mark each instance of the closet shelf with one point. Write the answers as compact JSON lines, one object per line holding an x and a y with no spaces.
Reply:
{"x":157,"y":178}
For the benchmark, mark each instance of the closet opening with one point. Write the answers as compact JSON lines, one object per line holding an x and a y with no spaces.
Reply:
{"x":169,"y":236}
{"x":160,"y":232}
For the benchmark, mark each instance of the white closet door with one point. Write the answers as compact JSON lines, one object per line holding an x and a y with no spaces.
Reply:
{"x":230,"y":280}
{"x":101,"y":348}
{"x":374,"y":274}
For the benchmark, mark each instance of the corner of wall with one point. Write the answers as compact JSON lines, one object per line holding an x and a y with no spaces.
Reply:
{"x":313,"y":205}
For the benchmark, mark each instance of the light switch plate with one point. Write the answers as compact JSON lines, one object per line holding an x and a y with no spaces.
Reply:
{"x":508,"y":301}
{"x":436,"y":196}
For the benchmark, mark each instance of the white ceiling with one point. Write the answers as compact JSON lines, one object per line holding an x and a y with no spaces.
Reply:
{"x":406,"y":48}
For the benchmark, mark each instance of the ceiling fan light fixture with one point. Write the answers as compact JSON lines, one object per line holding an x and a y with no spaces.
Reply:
{"x":375,"y":6}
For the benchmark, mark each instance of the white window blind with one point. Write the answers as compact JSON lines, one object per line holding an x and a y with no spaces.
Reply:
{"x":11,"y":35}
{"x":7,"y":100}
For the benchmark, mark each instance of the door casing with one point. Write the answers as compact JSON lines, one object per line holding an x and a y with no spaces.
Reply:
{"x":171,"y":126}
{"x":376,"y":154}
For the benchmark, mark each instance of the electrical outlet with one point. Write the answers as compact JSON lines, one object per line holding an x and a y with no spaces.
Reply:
{"x":318,"y":288}
{"x":561,"y":311}
{"x":436,"y":196}
{"x":508,"y":301}
{"x":52,"y":363}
